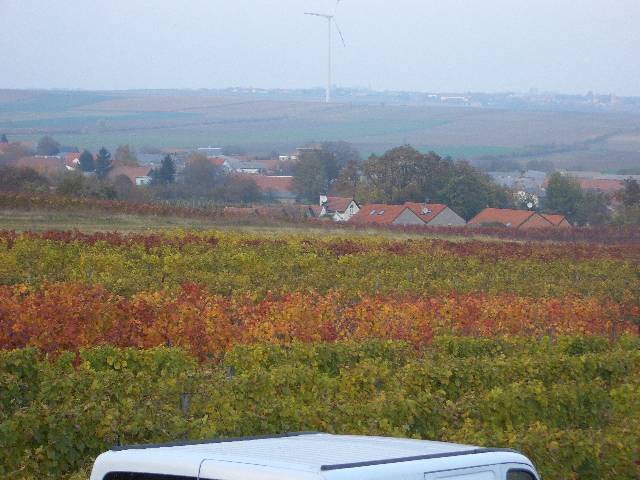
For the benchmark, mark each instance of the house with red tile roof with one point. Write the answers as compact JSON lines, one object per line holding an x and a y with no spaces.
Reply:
{"x":519,"y":219}
{"x":436,"y":214}
{"x":557,"y":220}
{"x":277,"y":187}
{"x":341,"y":209}
{"x":601,"y":185}
{"x":382,"y":214}
{"x":138,"y":175}
{"x":41,"y":163}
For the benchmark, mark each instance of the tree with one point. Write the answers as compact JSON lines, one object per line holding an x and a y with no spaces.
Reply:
{"x":343,"y":152}
{"x":103,"y":163}
{"x":403,"y":174}
{"x":22,"y":179}
{"x":565,"y":196}
{"x":631,"y":193}
{"x":201,"y":176}
{"x":4,"y":139}
{"x":348,"y":180}
{"x":166,"y":173}
{"x":241,"y":190}
{"x":71,"y":185}
{"x":14,"y":151}
{"x":313,"y":174}
{"x":593,"y":209}
{"x":47,"y":146}
{"x":541,"y":165}
{"x":126,"y":156}
{"x":468,"y":192}
{"x":86,"y":161}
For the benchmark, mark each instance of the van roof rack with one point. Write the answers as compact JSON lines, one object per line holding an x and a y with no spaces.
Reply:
{"x":474,"y":451}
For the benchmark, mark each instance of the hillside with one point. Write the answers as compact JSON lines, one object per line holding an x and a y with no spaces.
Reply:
{"x":184,"y":119}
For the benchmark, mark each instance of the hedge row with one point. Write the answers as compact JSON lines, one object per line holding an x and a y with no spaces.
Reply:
{"x":70,"y":316}
{"x":255,"y":265}
{"x":572,"y":405}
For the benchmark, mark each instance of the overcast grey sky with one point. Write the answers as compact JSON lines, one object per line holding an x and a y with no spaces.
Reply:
{"x":446,"y":45}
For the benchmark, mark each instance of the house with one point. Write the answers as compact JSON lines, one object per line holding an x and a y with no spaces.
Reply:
{"x":436,"y":214}
{"x":600,"y":185}
{"x":241,"y":166}
{"x":519,"y":219}
{"x":382,"y":214}
{"x":341,"y":209}
{"x":278,"y":188}
{"x":71,"y":160}
{"x":557,"y":220}
{"x":42,"y":163}
{"x":138,"y":175}
{"x":530,"y":181}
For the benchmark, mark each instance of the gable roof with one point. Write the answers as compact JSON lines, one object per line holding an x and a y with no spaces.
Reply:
{"x":554,"y":218}
{"x":338,"y":204}
{"x":282,"y":184}
{"x":130,"y":172}
{"x":426,"y":211}
{"x":41,"y":163}
{"x":505,"y":216}
{"x":378,"y":214}
{"x":602,"y":185}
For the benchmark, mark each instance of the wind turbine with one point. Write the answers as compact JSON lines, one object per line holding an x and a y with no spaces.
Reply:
{"x":331,"y":19}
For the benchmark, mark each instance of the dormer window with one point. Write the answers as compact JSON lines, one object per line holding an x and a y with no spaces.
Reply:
{"x":372,"y":212}
{"x":381,"y":212}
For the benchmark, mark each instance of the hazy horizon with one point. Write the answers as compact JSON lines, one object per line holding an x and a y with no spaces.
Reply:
{"x":462,"y":46}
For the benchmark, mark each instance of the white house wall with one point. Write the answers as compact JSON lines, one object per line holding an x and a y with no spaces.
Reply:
{"x":407,"y":217}
{"x":448,"y":218}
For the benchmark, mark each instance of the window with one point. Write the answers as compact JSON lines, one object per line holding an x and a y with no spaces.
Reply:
{"x":372,"y":212}
{"x":381,"y":212}
{"x":143,"y":476}
{"x":520,"y":475}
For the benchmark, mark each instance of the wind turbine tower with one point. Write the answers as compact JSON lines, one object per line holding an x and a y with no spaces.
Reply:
{"x":331,"y":19}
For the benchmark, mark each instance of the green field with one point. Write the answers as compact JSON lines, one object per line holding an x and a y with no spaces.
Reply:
{"x":187,"y":119}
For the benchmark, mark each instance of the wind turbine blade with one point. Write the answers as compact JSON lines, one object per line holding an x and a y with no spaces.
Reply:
{"x":339,"y":32}
{"x":335,"y":10}
{"x":319,"y":15}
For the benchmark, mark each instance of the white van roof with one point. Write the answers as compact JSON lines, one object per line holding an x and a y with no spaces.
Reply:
{"x":303,"y":452}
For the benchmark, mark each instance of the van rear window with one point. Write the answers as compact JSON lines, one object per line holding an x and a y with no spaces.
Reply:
{"x":143,"y":476}
{"x":520,"y":475}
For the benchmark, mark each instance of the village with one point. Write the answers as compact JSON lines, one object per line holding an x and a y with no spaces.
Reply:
{"x":273,"y":181}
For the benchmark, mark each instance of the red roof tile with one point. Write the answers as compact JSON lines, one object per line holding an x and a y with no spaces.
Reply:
{"x":41,"y":163}
{"x":554,"y":218}
{"x":217,"y":161}
{"x":276,"y":184}
{"x":605,"y":186}
{"x":378,"y":214}
{"x":505,"y":216}
{"x":338,"y":204}
{"x":426,"y":211}
{"x":130,"y":172}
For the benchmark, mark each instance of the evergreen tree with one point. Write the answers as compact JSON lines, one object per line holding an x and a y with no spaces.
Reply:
{"x":86,"y":161}
{"x":103,"y":163}
{"x":631,"y":194}
{"x":166,"y":174}
{"x":4,"y":139}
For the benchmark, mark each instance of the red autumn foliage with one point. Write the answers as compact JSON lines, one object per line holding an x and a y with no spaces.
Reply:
{"x":70,"y":316}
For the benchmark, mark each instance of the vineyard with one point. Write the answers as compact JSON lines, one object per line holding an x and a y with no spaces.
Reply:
{"x":110,"y":338}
